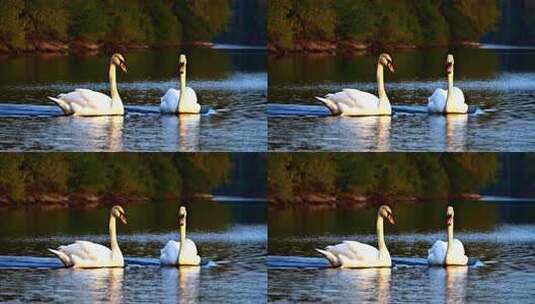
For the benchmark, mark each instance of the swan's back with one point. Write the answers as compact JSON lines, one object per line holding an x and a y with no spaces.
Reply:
{"x":169,"y":102}
{"x":437,"y":253}
{"x":437,"y":102}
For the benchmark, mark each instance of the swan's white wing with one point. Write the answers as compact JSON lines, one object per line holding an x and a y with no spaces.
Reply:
{"x":457,"y":248}
{"x":191,"y":95}
{"x":87,"y":251}
{"x":458,"y":95}
{"x":361,"y":99}
{"x":169,"y":102}
{"x":437,"y":101}
{"x":169,"y":254}
{"x":437,"y":253}
{"x":95,"y":100}
{"x":362,"y":251}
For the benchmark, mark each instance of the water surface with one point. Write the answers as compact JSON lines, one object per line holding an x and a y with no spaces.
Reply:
{"x":231,"y":81}
{"x":501,"y":235}
{"x":232,"y":235}
{"x":499,"y":81}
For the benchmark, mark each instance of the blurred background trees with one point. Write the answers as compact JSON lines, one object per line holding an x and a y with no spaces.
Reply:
{"x":150,"y":22}
{"x":153,"y":175}
{"x":381,"y":22}
{"x":386,"y":176}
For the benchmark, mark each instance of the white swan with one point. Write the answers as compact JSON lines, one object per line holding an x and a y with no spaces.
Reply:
{"x":351,"y":102}
{"x":84,"y":102}
{"x":450,"y":101}
{"x":183,"y":101}
{"x":84,"y":254}
{"x":351,"y":254}
{"x":448,"y":253}
{"x":180,"y":253}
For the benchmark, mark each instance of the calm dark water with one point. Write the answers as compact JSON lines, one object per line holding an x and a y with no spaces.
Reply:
{"x":499,"y":81}
{"x":233,"y":235}
{"x":501,"y":235}
{"x":232,"y":81}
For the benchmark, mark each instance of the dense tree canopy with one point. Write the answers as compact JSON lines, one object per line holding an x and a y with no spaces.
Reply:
{"x":383,"y":176}
{"x":422,"y":22}
{"x":154,"y":22}
{"x":151,"y":175}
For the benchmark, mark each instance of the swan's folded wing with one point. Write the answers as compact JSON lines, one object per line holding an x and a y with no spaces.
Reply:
{"x":362,"y":251}
{"x":191,"y":95}
{"x":362,"y":99}
{"x":93,"y":251}
{"x":458,"y":248}
{"x":459,"y":95}
{"x":169,"y":254}
{"x":94,"y":99}
{"x":169,"y":102}
{"x":437,"y":101}
{"x":74,"y":98}
{"x":437,"y":253}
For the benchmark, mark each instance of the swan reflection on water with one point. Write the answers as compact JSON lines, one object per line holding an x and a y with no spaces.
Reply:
{"x":450,"y":131}
{"x":181,"y":284}
{"x":102,"y":132}
{"x":96,"y":285}
{"x":365,"y":284}
{"x":449,"y":283}
{"x":370,"y":132}
{"x":182,"y":132}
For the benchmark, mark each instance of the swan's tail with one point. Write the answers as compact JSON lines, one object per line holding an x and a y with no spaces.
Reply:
{"x":329,"y":256}
{"x":65,"y":107}
{"x":63,"y":257}
{"x":332,"y":106}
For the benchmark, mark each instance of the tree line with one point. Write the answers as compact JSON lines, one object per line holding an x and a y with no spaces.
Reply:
{"x":157,"y":175}
{"x":379,"y":176}
{"x":113,"y":22}
{"x":380,"y":22}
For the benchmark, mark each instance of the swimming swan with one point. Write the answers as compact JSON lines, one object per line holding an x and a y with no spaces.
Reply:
{"x":84,"y":102}
{"x":180,"y":253}
{"x":351,"y":254}
{"x":183,"y":101}
{"x":351,"y":102}
{"x":448,"y":253}
{"x":84,"y":254}
{"x":450,"y":101}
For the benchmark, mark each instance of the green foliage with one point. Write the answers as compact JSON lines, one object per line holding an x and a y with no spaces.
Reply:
{"x":154,"y":22}
{"x":11,"y":23}
{"x":47,"y":18}
{"x":203,"y":19}
{"x":422,"y":22}
{"x":151,"y":175}
{"x":89,"y":20}
{"x":382,"y":176}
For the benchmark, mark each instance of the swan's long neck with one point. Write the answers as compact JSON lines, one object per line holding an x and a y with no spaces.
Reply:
{"x":113,"y":84}
{"x":381,"y":82}
{"x":450,"y":240}
{"x":183,"y":84}
{"x":383,"y":251}
{"x":115,"y":250}
{"x":182,"y":240}
{"x":450,"y":88}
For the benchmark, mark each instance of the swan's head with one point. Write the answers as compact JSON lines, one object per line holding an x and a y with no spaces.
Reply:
{"x":386,"y":61}
{"x":118,"y":60}
{"x":118,"y":212}
{"x":450,"y":62}
{"x":449,"y":216}
{"x":182,"y":64}
{"x":182,"y":216}
{"x":386,"y":212}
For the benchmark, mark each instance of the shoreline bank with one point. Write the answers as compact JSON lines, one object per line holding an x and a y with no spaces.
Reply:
{"x":85,"y":48}
{"x":352,"y":47}
{"x":320,"y":200}
{"x":84,"y":201}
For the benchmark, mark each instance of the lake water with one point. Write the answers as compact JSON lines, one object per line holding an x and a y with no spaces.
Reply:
{"x":501,"y":82}
{"x":231,"y":81}
{"x":501,"y":235}
{"x":232,"y":235}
